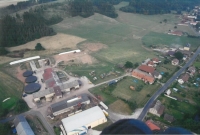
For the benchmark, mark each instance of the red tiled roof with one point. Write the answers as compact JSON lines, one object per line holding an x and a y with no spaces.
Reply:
{"x":184,"y":77}
{"x":47,"y":73}
{"x":143,"y":76}
{"x":146,"y":68}
{"x":151,"y":125}
{"x":179,"y":33}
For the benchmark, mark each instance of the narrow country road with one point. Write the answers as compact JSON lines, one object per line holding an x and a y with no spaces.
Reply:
{"x":167,"y":84}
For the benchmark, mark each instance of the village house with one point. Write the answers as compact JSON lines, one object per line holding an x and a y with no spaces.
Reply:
{"x":143,"y":76}
{"x":151,"y":64}
{"x":152,"y":125}
{"x":157,"y":75}
{"x":147,"y":69}
{"x":183,"y":78}
{"x":175,"y":62}
{"x":191,"y":70}
{"x":171,"y":53}
{"x":156,"y":60}
{"x":157,"y":108}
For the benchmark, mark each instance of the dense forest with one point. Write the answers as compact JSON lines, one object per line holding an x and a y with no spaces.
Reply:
{"x":150,"y":7}
{"x":86,"y":8}
{"x":17,"y":31}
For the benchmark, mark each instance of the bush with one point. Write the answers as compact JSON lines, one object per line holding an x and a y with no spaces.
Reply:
{"x":39,"y":47}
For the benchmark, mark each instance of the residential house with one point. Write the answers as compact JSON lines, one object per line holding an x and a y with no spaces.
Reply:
{"x":157,"y":108}
{"x":191,"y":70}
{"x":168,"y":118}
{"x":151,"y":125}
{"x":183,"y":78}
{"x":147,"y":69}
{"x":175,"y":62}
{"x":157,"y":75}
{"x":171,"y":53}
{"x":185,"y":52}
{"x":151,"y":64}
{"x":156,"y":60}
{"x":168,"y":92}
{"x":143,"y":76}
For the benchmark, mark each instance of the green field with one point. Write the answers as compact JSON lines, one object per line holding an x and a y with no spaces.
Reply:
{"x":10,"y":87}
{"x":160,"y":39}
{"x":122,"y":91}
{"x":197,"y":64}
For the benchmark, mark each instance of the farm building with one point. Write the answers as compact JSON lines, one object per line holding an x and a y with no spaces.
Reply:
{"x":157,"y":108}
{"x":22,"y":126}
{"x":58,"y":92}
{"x":68,"y":86}
{"x":175,"y":62}
{"x":157,"y":75}
{"x":79,"y":124}
{"x":51,"y":78}
{"x":143,"y":76}
{"x":68,"y":105}
{"x":177,"y":33}
{"x":151,"y":64}
{"x":183,"y":78}
{"x":47,"y":94}
{"x":146,"y":69}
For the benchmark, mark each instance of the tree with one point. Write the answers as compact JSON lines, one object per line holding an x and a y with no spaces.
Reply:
{"x":129,"y":64}
{"x":165,"y":20}
{"x":3,"y":51}
{"x":136,"y":64}
{"x":39,"y":47}
{"x":178,"y":55}
{"x":175,"y":27}
{"x":166,"y":61}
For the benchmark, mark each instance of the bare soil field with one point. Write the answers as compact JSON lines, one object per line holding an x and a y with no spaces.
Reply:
{"x":82,"y":57}
{"x":94,"y":47}
{"x":19,"y":74}
{"x":58,"y":41}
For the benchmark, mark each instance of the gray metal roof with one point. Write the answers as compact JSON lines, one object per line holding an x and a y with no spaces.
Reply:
{"x":43,"y":93}
{"x":69,"y":84}
{"x":22,"y":126}
{"x":82,"y":119}
{"x":66,"y":103}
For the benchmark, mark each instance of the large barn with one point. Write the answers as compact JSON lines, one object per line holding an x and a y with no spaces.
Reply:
{"x":80,"y":123}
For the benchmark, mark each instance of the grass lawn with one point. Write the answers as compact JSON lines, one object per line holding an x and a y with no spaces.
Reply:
{"x":122,"y":90}
{"x":8,"y":104}
{"x":154,"y":38}
{"x":102,"y":126}
{"x":196,"y":64}
{"x":140,"y":97}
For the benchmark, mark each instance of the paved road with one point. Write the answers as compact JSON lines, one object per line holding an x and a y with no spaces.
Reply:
{"x":167,"y":84}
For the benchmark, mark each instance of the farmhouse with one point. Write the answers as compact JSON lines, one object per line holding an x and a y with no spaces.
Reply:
{"x":183,"y":78}
{"x":157,"y":108}
{"x":143,"y":76}
{"x":151,"y":125}
{"x":175,"y":62}
{"x":22,"y":126}
{"x":146,"y":69}
{"x":79,"y":124}
{"x":68,"y":105}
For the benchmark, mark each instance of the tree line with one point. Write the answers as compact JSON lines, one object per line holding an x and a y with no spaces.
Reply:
{"x":151,"y":7}
{"x":17,"y":31}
